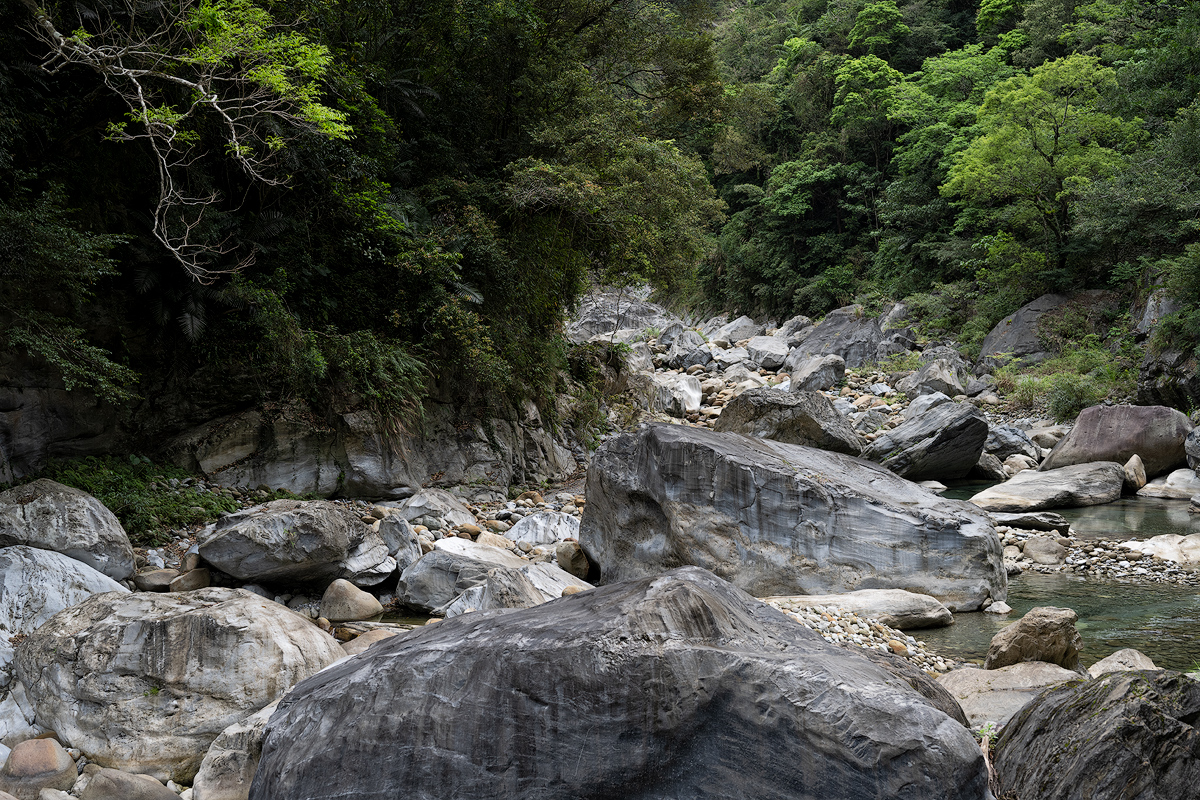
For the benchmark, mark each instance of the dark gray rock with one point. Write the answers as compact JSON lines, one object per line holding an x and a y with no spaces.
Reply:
{"x":767,"y":352}
{"x":806,"y":418}
{"x":988,"y":468}
{"x":923,"y":403}
{"x":1034,"y":520}
{"x":670,"y":334}
{"x":942,"y":444}
{"x":686,"y":348}
{"x":436,"y":579}
{"x":846,"y":332}
{"x":943,"y":375}
{"x":780,"y":519}
{"x":657,"y":688}
{"x":1114,"y":433}
{"x":1066,"y":487}
{"x":814,"y":373}
{"x":49,"y":516}
{"x":1045,"y":634}
{"x":739,"y":330}
{"x":1123,"y":735}
{"x":1158,"y":305}
{"x":295,"y":541}
{"x":1005,"y":440}
{"x":400,"y":539}
{"x":1016,"y":336}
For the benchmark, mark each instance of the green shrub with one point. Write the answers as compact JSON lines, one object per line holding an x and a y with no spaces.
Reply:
{"x":1069,"y":394}
{"x":1026,"y":393}
{"x":141,"y":495}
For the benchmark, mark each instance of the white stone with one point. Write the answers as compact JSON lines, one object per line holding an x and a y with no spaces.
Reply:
{"x":545,"y":527}
{"x":1179,"y":485}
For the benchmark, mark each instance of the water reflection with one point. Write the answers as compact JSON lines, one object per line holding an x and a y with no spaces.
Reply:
{"x":1162,"y":621}
{"x":1132,"y":518}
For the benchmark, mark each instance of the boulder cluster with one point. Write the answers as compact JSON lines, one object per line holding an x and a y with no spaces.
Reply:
{"x":724,"y":607}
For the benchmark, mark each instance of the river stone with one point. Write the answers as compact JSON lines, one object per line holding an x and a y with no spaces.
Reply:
{"x":112,"y":784}
{"x":1044,"y":550}
{"x":1045,"y":634}
{"x":767,"y":352}
{"x":1121,"y":661}
{"x":806,"y":418}
{"x":36,"y":764}
{"x":1016,"y":336}
{"x":1135,"y":474}
{"x":791,"y":327}
{"x":34,"y":586}
{"x":923,"y":404}
{"x":1122,"y":735}
{"x":437,"y":503}
{"x":1033,"y":520}
{"x":942,"y":444}
{"x":144,"y":682}
{"x":779,"y":519}
{"x":1172,"y":547}
{"x":988,"y":468}
{"x":814,"y":373}
{"x":534,"y":689}
{"x":1066,"y":487}
{"x":895,"y":608}
{"x":1114,"y":433}
{"x":847,"y":332}
{"x":739,"y":330}
{"x":401,"y":540}
{"x":1006,"y":440}
{"x":345,"y":602}
{"x":50,"y":516}
{"x":942,"y":375}
{"x":290,"y":540}
{"x":1181,"y":484}
{"x":995,"y":695}
{"x":228,"y":766}
{"x":544,"y":527}
{"x":572,"y":559}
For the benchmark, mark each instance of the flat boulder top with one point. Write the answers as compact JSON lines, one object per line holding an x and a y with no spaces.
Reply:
{"x":1089,"y":484}
{"x":503,"y":704}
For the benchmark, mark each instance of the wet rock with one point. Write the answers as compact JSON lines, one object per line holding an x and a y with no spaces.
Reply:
{"x":1066,"y":487}
{"x":1126,"y":734}
{"x":50,"y":516}
{"x":779,"y":519}
{"x":806,"y":418}
{"x":1114,"y":433}
{"x":1045,"y":634}
{"x":616,"y":656}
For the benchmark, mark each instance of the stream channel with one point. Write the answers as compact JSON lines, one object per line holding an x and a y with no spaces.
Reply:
{"x":1159,"y":619}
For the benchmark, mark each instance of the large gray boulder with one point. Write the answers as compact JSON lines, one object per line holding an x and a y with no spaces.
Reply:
{"x":780,"y":519}
{"x":767,"y":352}
{"x":1006,"y":440}
{"x":436,"y":504}
{"x":606,"y":312}
{"x":676,"y":395}
{"x":895,"y":608}
{"x":995,"y":695}
{"x":847,"y":332}
{"x":545,"y":700}
{"x":942,"y":444}
{"x":401,"y":540}
{"x":1066,"y":487}
{"x":738,"y":330}
{"x":297,"y":541}
{"x":814,"y":373}
{"x":1123,"y":735}
{"x":1016,"y":336}
{"x":950,"y":377}
{"x":1114,"y":433}
{"x":507,"y":588}
{"x":34,"y":586}
{"x":145,"y":682}
{"x":1045,"y":634}
{"x":806,"y":418}
{"x":50,"y":516}
{"x":1181,"y":484}
{"x":228,"y":767}
{"x":435,"y":579}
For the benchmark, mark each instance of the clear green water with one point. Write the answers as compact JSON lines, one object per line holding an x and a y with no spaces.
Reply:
{"x":1161,"y":620}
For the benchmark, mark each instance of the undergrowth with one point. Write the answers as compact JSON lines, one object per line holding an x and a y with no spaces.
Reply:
{"x":140,"y":494}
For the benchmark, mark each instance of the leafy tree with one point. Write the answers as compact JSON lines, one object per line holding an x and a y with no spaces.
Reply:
{"x":866,"y":92}
{"x":1044,"y":141}
{"x":878,"y":29}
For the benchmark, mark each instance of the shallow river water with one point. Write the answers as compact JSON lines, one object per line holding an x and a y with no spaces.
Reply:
{"x":1161,"y":620}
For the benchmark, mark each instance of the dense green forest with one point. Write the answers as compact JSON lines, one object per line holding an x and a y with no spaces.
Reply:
{"x":365,"y":201}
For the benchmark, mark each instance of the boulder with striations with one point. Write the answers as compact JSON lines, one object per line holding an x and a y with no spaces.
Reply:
{"x":1066,"y":487}
{"x":664,"y":687}
{"x":942,"y":444}
{"x":806,"y":418}
{"x":780,"y":519}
